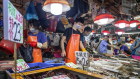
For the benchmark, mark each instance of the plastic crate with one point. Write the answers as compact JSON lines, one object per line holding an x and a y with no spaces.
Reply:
{"x":51,"y":62}
{"x":136,"y":57}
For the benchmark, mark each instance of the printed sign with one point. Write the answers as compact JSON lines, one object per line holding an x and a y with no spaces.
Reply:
{"x":82,"y":58}
{"x":13,"y":23}
{"x":21,"y":65}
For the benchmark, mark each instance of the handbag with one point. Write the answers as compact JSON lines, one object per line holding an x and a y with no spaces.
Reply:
{"x":26,"y":53}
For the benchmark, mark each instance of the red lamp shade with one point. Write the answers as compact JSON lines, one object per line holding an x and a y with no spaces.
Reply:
{"x":138,"y":27}
{"x":105,"y":32}
{"x":93,"y":31}
{"x":104,"y":19}
{"x":119,"y":32}
{"x":122,"y":24}
{"x":134,"y":23}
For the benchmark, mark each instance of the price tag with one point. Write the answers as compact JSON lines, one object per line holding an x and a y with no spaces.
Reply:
{"x":82,"y":58}
{"x":13,"y":23}
{"x":72,"y":65}
{"x":21,"y":65}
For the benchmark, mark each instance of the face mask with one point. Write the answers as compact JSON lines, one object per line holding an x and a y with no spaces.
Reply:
{"x":114,"y":41}
{"x":78,"y":26}
{"x":128,"y":39}
{"x":32,"y":30}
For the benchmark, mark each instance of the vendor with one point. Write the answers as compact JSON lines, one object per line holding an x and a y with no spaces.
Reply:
{"x":41,"y":40}
{"x":68,"y":32}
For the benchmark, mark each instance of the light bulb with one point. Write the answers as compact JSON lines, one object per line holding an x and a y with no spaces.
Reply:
{"x":56,"y":8}
{"x":120,"y":33}
{"x":104,"y":21}
{"x":133,"y":25}
{"x":105,"y":33}
{"x":122,"y":25}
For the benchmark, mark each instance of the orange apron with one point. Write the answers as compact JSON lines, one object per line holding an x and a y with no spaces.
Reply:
{"x":37,"y":54}
{"x":72,"y":46}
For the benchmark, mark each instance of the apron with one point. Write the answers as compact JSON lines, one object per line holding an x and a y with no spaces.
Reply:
{"x":72,"y":46}
{"x":37,"y":53}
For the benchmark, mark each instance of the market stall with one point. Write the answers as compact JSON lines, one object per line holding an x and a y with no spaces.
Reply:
{"x":69,"y":39}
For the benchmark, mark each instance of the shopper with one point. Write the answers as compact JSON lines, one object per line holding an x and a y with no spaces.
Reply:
{"x":70,"y":36}
{"x":136,"y":47}
{"x":133,"y":42}
{"x":94,"y":43}
{"x":41,"y":40}
{"x":103,"y":45}
{"x":87,"y":31}
{"x":128,"y":42}
{"x":124,"y":49}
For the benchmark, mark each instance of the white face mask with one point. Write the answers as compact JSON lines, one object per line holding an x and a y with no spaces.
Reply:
{"x":78,"y":26}
{"x":33,"y":30}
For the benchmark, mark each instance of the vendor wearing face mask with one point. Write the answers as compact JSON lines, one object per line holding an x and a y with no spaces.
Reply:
{"x":41,"y":40}
{"x":68,"y":34}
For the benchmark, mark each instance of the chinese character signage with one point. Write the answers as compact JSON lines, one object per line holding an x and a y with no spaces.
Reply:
{"x":21,"y":65}
{"x":82,"y":58}
{"x":13,"y":23}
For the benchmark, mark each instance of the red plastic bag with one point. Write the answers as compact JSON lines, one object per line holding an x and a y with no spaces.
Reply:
{"x":7,"y":46}
{"x":72,"y":46}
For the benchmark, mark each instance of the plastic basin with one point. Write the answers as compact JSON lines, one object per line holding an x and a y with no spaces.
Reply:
{"x":136,"y":57}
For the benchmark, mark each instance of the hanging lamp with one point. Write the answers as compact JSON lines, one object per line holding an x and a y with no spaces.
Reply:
{"x":93,"y":31}
{"x":119,"y":32}
{"x":56,"y":7}
{"x":103,"y":18}
{"x":105,"y":32}
{"x":138,"y":27}
{"x":122,"y":23}
{"x":133,"y":23}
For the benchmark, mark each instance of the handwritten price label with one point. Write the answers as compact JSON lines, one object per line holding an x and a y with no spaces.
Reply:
{"x":82,"y":58}
{"x":13,"y":23}
{"x":21,"y":65}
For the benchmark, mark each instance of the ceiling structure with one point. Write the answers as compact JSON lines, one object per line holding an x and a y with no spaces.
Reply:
{"x":112,"y":6}
{"x":118,"y":8}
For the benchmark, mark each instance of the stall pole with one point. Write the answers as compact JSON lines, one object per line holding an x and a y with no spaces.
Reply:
{"x":15,"y":58}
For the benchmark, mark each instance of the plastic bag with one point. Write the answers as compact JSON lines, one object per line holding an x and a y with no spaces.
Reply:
{"x":26,"y":52}
{"x":31,"y":12}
